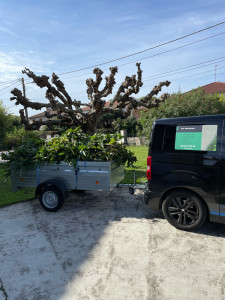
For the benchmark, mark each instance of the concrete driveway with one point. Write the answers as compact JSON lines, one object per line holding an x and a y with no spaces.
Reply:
{"x":106,"y":246}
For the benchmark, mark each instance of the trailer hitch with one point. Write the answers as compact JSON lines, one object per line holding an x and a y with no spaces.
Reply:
{"x":134,"y":186}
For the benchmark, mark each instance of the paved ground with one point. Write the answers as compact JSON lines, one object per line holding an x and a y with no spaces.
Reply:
{"x":106,"y":246}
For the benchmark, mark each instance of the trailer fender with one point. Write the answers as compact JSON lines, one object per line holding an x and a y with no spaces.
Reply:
{"x":60,"y":186}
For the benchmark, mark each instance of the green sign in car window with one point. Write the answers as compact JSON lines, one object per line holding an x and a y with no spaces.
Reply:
{"x":196,"y":137}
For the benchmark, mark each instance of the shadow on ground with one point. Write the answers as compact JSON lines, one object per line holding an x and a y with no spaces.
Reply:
{"x":212,"y":229}
{"x":44,"y":252}
{"x":44,"y":255}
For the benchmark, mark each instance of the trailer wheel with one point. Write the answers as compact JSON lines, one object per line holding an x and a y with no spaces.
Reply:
{"x":51,"y":199}
{"x":131,"y":191}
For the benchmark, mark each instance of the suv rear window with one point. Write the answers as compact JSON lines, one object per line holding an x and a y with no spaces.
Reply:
{"x":179,"y":138}
{"x":196,"y":137}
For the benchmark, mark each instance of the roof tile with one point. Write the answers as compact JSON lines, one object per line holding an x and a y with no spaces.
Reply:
{"x":215,"y":87}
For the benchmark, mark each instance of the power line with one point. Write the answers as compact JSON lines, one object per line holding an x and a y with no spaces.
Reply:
{"x":183,"y":76}
{"x":168,"y":73}
{"x":189,"y":76}
{"x":154,"y":55}
{"x":140,"y":59}
{"x":153,"y":77}
{"x":176,"y":48}
{"x":197,"y":74}
{"x":10,"y":106}
{"x":145,"y":50}
{"x":7,"y":82}
{"x":167,"y":51}
{"x":8,"y":86}
{"x":8,"y":91}
{"x":216,"y":60}
{"x":26,"y":80}
{"x":146,"y":86}
{"x":173,"y":72}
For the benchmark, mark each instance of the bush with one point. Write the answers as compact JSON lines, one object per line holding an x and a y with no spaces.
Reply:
{"x":7,"y":124}
{"x":75,"y":145}
{"x":12,"y":140}
{"x":72,"y":146}
{"x":23,"y":157}
{"x":18,"y":135}
{"x":194,"y":103}
{"x":131,"y":124}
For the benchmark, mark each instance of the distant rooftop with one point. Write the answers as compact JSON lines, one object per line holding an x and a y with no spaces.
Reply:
{"x":215,"y":87}
{"x":42,"y":114}
{"x":85,"y":109}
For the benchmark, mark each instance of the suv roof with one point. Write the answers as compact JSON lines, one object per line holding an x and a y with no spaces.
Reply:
{"x":189,"y":119}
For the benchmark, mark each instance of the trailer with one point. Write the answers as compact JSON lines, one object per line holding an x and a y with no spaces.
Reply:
{"x":54,"y":181}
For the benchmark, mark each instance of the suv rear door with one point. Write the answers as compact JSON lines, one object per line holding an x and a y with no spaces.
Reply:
{"x":198,"y":170}
{"x":222,"y":182}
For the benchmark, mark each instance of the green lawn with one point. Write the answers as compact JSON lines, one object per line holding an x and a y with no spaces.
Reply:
{"x":140,"y":166}
{"x":8,"y":197}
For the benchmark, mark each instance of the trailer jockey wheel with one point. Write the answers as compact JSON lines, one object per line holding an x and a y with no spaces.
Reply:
{"x":51,"y":199}
{"x":131,"y":191}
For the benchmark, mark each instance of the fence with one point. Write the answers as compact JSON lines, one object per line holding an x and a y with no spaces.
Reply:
{"x":136,"y":141}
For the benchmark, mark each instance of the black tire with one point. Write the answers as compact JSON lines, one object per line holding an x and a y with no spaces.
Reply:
{"x":51,"y":199}
{"x":131,"y":191}
{"x":78,"y":191}
{"x":184,"y":210}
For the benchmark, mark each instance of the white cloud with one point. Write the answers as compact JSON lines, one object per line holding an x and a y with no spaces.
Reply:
{"x":12,"y":63}
{"x":8,"y":67}
{"x":39,"y":30}
{"x":125,"y":19}
{"x":7,"y":31}
{"x":195,"y":20}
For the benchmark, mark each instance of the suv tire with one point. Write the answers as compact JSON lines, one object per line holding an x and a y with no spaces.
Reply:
{"x":184,"y":210}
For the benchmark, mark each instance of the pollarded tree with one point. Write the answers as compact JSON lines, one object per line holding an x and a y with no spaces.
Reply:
{"x":69,"y":111}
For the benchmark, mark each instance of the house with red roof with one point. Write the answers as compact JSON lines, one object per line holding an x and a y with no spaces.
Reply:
{"x":41,"y":116}
{"x":214,"y":87}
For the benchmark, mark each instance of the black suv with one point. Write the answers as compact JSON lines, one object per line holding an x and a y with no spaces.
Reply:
{"x":186,"y":170}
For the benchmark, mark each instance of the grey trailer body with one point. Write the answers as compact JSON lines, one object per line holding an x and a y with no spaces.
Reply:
{"x":53,"y":181}
{"x":88,"y":175}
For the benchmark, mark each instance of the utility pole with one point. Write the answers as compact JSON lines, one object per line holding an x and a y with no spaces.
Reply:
{"x":215,"y":72}
{"x":24,"y":94}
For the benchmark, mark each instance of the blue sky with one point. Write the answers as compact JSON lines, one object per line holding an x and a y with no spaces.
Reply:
{"x":61,"y":36}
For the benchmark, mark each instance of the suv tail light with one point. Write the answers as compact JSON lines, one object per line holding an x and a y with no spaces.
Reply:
{"x":149,"y":167}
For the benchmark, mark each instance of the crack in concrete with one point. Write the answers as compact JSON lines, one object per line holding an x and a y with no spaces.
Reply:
{"x":3,"y":290}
